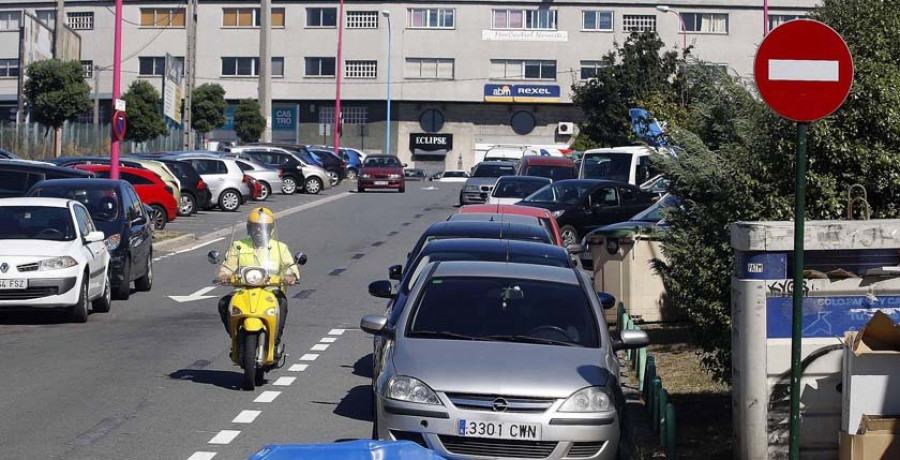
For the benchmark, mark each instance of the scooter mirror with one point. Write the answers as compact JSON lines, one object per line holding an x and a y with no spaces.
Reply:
{"x":214,"y":257}
{"x":300,"y":258}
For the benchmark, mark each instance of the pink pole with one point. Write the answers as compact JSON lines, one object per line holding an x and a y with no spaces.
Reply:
{"x":116,"y":89}
{"x":765,"y":17}
{"x":340,"y":71}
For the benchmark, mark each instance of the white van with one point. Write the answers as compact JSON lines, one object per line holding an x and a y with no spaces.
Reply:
{"x":623,"y":164}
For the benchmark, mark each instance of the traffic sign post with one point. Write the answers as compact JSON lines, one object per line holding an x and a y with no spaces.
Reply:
{"x":804,"y":71}
{"x":119,"y":125}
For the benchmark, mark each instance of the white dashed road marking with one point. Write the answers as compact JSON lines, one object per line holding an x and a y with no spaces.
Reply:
{"x":199,"y":455}
{"x":284,"y":381}
{"x":298,"y":367}
{"x":246,"y":416}
{"x":309,"y":357}
{"x":224,"y":437}
{"x":336,"y":332}
{"x":328,"y":340}
{"x":267,"y":396}
{"x":319,"y":347}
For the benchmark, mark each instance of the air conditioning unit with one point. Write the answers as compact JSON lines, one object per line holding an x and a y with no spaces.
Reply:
{"x":566,"y":128}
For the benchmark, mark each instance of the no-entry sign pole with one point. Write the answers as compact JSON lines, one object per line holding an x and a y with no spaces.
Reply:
{"x":804,"y":71}
{"x":116,"y":89}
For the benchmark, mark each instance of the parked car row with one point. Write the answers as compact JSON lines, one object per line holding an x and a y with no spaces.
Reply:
{"x":494,"y":344}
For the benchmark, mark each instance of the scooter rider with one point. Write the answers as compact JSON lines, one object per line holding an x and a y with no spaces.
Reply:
{"x":260,"y":248}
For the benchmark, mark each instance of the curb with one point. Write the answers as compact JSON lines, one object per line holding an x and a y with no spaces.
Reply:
{"x":174,"y":243}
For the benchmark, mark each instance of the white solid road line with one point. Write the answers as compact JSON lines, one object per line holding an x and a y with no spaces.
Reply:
{"x":309,"y":357}
{"x":224,"y":437}
{"x":246,"y":416}
{"x":284,"y":381}
{"x":200,"y":455}
{"x":298,"y":367}
{"x":267,"y":396}
{"x":336,"y":332}
{"x":319,"y":347}
{"x":328,"y":339}
{"x":801,"y":70}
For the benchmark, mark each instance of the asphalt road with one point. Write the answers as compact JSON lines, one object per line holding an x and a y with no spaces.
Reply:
{"x":152,"y":379}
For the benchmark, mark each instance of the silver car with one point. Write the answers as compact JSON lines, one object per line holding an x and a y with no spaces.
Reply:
{"x":222,"y":175}
{"x":311,"y":178}
{"x":496,"y":360}
{"x":481,"y":182}
{"x":269,"y":178}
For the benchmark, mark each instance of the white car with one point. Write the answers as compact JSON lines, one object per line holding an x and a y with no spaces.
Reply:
{"x":52,"y":256}
{"x":454,"y":176}
{"x":512,"y":189}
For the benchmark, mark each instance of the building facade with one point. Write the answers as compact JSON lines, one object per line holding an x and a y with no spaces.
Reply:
{"x":484,"y":73}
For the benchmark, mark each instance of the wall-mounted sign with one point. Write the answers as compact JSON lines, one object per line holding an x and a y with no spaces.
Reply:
{"x":525,"y":35}
{"x":430,"y":144}
{"x":521,"y":93}
{"x":284,"y":117}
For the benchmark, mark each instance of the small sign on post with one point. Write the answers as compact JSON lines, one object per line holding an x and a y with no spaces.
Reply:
{"x":804,"y":71}
{"x":120,"y":105}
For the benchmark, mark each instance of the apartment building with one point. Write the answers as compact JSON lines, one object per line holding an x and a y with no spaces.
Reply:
{"x":468,"y":73}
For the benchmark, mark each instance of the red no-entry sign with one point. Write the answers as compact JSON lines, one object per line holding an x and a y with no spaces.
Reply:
{"x":803,"y":70}
{"x":119,"y":125}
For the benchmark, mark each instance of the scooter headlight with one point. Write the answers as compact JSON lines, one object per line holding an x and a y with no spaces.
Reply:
{"x":254,"y":276}
{"x":271,"y":312}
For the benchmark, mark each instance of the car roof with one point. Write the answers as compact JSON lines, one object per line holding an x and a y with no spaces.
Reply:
{"x":36,"y":201}
{"x":493,"y":217}
{"x":136,"y":171}
{"x":471,"y":269}
{"x":640,"y":149}
{"x":462,"y":229}
{"x":592,"y":182}
{"x":381,"y":155}
{"x":545,"y":160}
{"x":84,"y":183}
{"x":501,"y":163}
{"x":26,"y":167}
{"x":506,"y":209}
{"x":496,"y":246}
{"x":546,"y":180}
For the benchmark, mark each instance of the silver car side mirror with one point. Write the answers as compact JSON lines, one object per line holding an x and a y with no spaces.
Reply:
{"x":373,"y":324}
{"x":214,"y":257}
{"x":630,"y":339}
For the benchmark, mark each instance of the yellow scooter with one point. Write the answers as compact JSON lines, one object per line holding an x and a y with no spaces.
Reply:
{"x":253,"y":318}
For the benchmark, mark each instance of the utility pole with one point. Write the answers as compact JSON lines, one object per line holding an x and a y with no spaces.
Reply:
{"x":387,"y":132}
{"x":190,"y":65}
{"x":60,"y":23}
{"x":96,"y":119}
{"x":265,"y":67}
{"x":339,"y":72}
{"x":116,"y":88}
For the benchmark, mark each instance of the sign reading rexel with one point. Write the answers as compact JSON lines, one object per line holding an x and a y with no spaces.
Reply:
{"x":430,"y":141}
{"x":803,"y":70}
{"x":521,"y":93}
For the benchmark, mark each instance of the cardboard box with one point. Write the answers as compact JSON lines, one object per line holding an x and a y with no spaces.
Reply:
{"x":879,"y":439}
{"x":871,"y":372}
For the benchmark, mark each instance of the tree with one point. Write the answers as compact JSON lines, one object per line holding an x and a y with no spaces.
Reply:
{"x":142,"y":107}
{"x":248,"y":122}
{"x":56,"y":92}
{"x":208,"y":108}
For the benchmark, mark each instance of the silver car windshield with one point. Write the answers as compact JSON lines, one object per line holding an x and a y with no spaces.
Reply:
{"x":502,"y":309}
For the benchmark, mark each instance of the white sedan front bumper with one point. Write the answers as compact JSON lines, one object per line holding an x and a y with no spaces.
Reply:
{"x":46,"y":289}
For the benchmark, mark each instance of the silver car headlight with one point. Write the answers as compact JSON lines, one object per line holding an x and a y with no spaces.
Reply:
{"x":57,"y":263}
{"x":473,"y":188}
{"x":558,"y":213}
{"x":112,"y":243}
{"x":254,"y":276}
{"x":590,"y":399}
{"x":408,"y":389}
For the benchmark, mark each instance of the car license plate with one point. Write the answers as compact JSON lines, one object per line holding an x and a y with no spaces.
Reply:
{"x":381,"y":182}
{"x":499,"y":430}
{"x":13,"y":284}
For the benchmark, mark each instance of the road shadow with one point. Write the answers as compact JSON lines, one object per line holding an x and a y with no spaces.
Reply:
{"x":222,"y":379}
{"x":34,"y":317}
{"x":357,"y":404}
{"x":362,"y":367}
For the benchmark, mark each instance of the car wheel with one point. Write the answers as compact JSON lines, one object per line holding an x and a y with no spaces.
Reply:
{"x":289,"y":186}
{"x":265,"y":191}
{"x":569,"y":235}
{"x":352,"y":174}
{"x":145,"y":283}
{"x":230,"y":200}
{"x":188,"y":205}
{"x":313,"y":185}
{"x":334,"y":178}
{"x":104,"y":302}
{"x":78,"y":313}
{"x":123,"y":291}
{"x":158,"y":217}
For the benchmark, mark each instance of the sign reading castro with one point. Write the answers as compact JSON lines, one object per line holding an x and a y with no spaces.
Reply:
{"x":521,"y":93}
{"x":284,"y":118}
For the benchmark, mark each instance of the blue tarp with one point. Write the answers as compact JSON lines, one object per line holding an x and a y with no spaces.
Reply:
{"x":353,"y":450}
{"x":646,"y":128}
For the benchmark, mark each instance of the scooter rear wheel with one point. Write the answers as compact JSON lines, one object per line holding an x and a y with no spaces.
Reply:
{"x":251,"y":343}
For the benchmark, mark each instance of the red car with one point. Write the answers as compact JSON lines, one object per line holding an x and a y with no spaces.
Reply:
{"x":553,"y":168}
{"x":150,"y":189}
{"x":381,"y":171}
{"x":544,"y":215}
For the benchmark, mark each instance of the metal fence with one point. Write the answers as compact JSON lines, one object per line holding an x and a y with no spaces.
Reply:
{"x":35,"y":141}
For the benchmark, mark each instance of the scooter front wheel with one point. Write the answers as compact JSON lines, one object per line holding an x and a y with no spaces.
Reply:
{"x":251,"y":343}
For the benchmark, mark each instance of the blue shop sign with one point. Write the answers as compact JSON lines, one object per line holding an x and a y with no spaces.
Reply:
{"x":521,"y":93}
{"x":827,"y":316}
{"x":284,"y":118}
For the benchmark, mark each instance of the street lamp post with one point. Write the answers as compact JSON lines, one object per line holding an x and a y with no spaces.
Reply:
{"x":387,"y":133}
{"x":666,"y":9}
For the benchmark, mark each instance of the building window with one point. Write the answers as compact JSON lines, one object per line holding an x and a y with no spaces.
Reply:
{"x":524,"y":19}
{"x":430,"y":18}
{"x":639,"y":23}
{"x":321,"y":17}
{"x":80,"y":20}
{"x":776,"y":20}
{"x":362,"y":19}
{"x":48,"y":17}
{"x":361,"y":69}
{"x":431,"y":120}
{"x":88,"y":68}
{"x":522,"y":122}
{"x":249,"y":66}
{"x":429,"y":68}
{"x":320,"y":67}
{"x":354,"y":115}
{"x":597,"y":20}
{"x":713,"y":23}
{"x":152,"y":66}
{"x":162,"y":17}
{"x":10,"y":20}
{"x":250,"y":17}
{"x":9,"y":68}
{"x":590,"y":69}
{"x":508,"y":69}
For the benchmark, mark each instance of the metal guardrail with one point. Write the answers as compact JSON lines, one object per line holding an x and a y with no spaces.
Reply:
{"x":656,"y":398}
